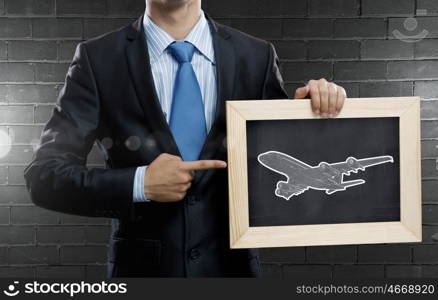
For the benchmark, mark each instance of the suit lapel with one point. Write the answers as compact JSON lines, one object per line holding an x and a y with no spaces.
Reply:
{"x":141,"y":75}
{"x":225,"y":73}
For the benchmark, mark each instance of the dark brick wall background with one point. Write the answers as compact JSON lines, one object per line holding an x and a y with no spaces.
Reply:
{"x":352,"y":42}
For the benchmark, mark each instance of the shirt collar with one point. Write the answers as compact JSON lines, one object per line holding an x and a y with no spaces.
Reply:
{"x":158,"y":39}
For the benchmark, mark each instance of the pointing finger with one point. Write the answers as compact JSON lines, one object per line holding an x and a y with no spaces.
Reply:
{"x":203,"y":165}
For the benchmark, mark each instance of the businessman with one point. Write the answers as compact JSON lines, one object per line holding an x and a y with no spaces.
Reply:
{"x":163,"y":82}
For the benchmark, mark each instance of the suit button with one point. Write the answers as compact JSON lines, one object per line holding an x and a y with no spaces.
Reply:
{"x":195,"y":254}
{"x":191,"y":200}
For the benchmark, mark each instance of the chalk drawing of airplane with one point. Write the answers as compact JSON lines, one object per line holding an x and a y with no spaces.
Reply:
{"x":325,"y":177}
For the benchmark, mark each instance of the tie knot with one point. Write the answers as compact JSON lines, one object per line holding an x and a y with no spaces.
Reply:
{"x":182,"y":51}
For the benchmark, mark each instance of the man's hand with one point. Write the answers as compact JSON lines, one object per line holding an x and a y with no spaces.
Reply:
{"x":327,"y":98}
{"x":168,"y":178}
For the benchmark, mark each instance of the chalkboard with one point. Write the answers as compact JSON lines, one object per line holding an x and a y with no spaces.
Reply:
{"x":295,"y":179}
{"x":326,"y":141}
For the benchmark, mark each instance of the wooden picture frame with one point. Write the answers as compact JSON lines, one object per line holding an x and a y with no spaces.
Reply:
{"x":408,"y":229}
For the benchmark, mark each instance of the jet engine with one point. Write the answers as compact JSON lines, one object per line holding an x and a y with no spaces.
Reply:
{"x":334,"y":174}
{"x":287,"y":189}
{"x":353,"y":163}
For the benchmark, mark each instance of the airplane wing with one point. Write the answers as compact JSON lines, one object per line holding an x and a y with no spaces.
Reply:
{"x":287,"y":190}
{"x":352,"y":164}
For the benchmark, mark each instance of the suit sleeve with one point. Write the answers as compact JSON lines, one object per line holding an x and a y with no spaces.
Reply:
{"x":57,"y":178}
{"x":273,"y":86}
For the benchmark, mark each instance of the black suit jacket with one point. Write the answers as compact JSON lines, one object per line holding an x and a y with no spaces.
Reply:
{"x":109,"y":94}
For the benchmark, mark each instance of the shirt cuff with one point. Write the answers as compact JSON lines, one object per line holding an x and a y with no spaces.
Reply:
{"x":138,"y":193}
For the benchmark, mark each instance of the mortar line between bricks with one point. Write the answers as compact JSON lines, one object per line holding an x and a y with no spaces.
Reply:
{"x":35,"y":82}
{"x":30,"y":83}
{"x":82,"y":28}
{"x":58,"y":52}
{"x":7,"y":174}
{"x":31,"y":28}
{"x":307,"y":14}
{"x":34,"y":113}
{"x":37,"y":61}
{"x":17,"y":225}
{"x":18,"y":205}
{"x":387,"y":26}
{"x":57,"y":265}
{"x":332,"y":70}
{"x":414,"y":88}
{"x":26,"y":16}
{"x":430,"y":202}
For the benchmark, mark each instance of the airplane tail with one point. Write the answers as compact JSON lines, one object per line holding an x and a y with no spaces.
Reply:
{"x":347,"y":184}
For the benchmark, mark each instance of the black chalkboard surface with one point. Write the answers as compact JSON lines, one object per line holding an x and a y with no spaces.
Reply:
{"x":313,"y":141}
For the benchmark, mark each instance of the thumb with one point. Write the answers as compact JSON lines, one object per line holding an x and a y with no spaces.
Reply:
{"x":302,"y":92}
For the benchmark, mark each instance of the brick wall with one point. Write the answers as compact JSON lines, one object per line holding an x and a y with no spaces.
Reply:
{"x":349,"y":41}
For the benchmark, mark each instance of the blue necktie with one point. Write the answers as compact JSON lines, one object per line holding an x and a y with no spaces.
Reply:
{"x":187,"y":119}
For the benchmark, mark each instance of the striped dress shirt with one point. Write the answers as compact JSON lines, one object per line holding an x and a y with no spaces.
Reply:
{"x":164,"y":68}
